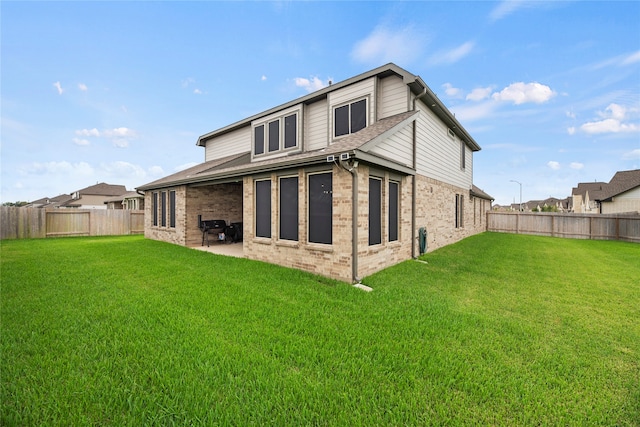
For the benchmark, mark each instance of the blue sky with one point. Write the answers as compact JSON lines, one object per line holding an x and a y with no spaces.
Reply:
{"x":118,"y":92}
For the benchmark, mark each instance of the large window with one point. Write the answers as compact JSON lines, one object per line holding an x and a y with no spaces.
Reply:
{"x":154,"y":208}
{"x":163,"y":209}
{"x":172,"y":209}
{"x":320,"y":208}
{"x":350,"y":118}
{"x":393,"y":210}
{"x":263,"y":208}
{"x":289,"y":208}
{"x":459,"y":221}
{"x":276,"y":135}
{"x":375,"y":211}
{"x":258,"y":140}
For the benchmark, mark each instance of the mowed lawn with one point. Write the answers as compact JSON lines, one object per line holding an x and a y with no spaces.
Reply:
{"x":498,"y":329}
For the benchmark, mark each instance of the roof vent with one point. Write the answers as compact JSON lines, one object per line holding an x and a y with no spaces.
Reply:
{"x":451,"y":133}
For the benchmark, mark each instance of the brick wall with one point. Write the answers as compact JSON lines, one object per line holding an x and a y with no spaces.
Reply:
{"x":435,"y":210}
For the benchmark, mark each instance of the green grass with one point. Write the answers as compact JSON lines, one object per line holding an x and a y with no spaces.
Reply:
{"x":495,"y":330}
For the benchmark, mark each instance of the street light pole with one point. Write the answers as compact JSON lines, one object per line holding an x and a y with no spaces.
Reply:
{"x":519,"y":183}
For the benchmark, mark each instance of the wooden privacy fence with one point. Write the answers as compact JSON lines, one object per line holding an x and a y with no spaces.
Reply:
{"x":26,"y":223}
{"x":570,"y":225}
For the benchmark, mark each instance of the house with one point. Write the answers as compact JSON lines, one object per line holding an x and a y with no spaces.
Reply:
{"x":131,"y":200}
{"x":584,"y":196}
{"x":94,"y":197}
{"x":49,"y":202}
{"x":621,"y":194}
{"x":339,"y":182}
{"x":552,"y":204}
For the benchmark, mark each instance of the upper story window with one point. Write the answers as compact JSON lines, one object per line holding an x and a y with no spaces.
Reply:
{"x":276,"y":134}
{"x":350,"y":118}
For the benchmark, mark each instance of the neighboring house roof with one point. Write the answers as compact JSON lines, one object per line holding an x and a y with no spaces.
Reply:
{"x":103,"y":189}
{"x":415,"y":83}
{"x":476,"y":192}
{"x":595,"y":189}
{"x":621,"y":182}
{"x":127,"y":195}
{"x":357,"y":144}
{"x":49,"y":202}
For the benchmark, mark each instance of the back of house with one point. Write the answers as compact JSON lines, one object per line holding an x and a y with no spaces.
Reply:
{"x":342,"y":182}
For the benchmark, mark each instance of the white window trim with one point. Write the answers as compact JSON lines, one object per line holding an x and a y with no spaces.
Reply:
{"x":280,"y":117}
{"x":367,"y":99}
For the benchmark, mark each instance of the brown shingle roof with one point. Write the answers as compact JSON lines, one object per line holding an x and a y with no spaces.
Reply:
{"x":621,"y":182}
{"x":103,"y":189}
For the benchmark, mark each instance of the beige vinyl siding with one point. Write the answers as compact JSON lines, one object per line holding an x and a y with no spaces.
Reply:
{"x":235,"y":142}
{"x":356,"y":91}
{"x":393,"y":97}
{"x":315,"y":125}
{"x":438,"y":155}
{"x":398,"y":146}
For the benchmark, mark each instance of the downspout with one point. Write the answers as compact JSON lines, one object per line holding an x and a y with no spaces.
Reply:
{"x":414,"y":164}
{"x":352,"y":169}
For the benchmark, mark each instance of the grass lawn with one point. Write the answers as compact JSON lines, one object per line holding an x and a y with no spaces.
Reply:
{"x":498,"y":329}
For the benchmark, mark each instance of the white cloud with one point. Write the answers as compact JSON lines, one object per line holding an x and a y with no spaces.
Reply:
{"x":631,"y":59}
{"x":123,"y":170}
{"x":505,"y":8}
{"x":609,"y":126}
{"x":571,"y":130}
{"x":453,"y":55}
{"x":80,"y":141}
{"x":57,"y":168}
{"x":472,"y":112}
{"x":186,"y":82}
{"x":119,"y":136}
{"x":88,"y":132}
{"x":520,"y":93}
{"x":479,"y":93}
{"x":58,"y":86}
{"x":612,"y":121}
{"x":197,"y":91}
{"x":384,"y":45}
{"x":632,"y":155}
{"x":451,"y":91}
{"x":263,"y":78}
{"x":570,"y":114}
{"x":310,"y":85}
{"x":553,"y":165}
{"x":121,"y":132}
{"x":576,"y":165}
{"x":83,"y":87}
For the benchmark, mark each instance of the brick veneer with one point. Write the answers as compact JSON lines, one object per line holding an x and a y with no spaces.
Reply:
{"x":435,"y":210}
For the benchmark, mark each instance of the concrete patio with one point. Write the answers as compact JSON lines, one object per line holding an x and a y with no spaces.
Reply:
{"x":218,"y":248}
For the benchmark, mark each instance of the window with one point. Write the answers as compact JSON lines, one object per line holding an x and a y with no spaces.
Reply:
{"x":290,"y":131}
{"x":375,"y":211}
{"x":393,"y":211}
{"x":172,"y":209}
{"x":163,"y":209}
{"x":276,"y":135}
{"x":258,"y":140}
{"x":463,"y":154}
{"x":289,"y":208}
{"x":263,"y":208}
{"x":350,"y":118}
{"x":320,"y":208}
{"x":154,"y":208}
{"x":459,"y":221}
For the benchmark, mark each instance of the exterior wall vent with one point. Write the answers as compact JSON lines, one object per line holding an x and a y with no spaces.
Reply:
{"x":451,"y":133}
